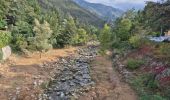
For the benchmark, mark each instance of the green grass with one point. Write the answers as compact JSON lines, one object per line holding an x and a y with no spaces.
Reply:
{"x":134,"y":63}
{"x":145,"y":87}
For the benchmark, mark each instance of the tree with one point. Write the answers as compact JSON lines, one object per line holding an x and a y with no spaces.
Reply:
{"x":67,"y":30}
{"x":42,"y":35}
{"x":4,"y":8}
{"x":156,"y":15}
{"x":54,"y":20}
{"x":123,"y":29}
{"x":105,"y":37}
{"x":80,"y":37}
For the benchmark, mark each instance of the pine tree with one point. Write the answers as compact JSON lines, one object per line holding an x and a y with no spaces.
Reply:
{"x":80,"y":37}
{"x":105,"y":37}
{"x":123,"y":29}
{"x":42,"y":35}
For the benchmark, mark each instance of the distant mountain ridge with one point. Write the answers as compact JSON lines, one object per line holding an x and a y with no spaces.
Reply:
{"x":106,"y":13}
{"x":67,"y":7}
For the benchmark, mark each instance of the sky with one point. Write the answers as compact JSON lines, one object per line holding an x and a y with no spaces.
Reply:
{"x":122,"y":4}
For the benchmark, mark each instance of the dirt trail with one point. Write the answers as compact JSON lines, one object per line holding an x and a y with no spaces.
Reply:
{"x":109,"y":85}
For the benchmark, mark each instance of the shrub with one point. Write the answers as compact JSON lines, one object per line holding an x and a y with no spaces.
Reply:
{"x":124,"y":45}
{"x":20,"y":34}
{"x":80,"y":37}
{"x":42,"y":35}
{"x":5,"y":38}
{"x":136,"y":41}
{"x":134,"y":64}
{"x":142,"y":85}
{"x":165,"y":49}
{"x":3,"y":23}
{"x":18,"y":42}
{"x":151,"y":82}
{"x":151,"y":97}
{"x":154,"y":34}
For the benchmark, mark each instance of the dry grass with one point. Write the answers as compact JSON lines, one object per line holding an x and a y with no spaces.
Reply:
{"x":21,"y":72}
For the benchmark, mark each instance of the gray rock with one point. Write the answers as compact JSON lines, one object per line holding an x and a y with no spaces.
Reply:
{"x":74,"y":75}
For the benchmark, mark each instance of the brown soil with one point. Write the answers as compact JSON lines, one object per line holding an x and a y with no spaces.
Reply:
{"x":109,"y":85}
{"x":20,"y":73}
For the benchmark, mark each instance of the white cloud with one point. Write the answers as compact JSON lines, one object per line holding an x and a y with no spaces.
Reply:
{"x":123,"y":4}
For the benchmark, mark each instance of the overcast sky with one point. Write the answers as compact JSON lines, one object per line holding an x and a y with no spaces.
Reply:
{"x":122,"y":4}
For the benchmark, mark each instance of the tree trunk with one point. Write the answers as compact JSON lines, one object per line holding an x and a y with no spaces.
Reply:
{"x":40,"y":55}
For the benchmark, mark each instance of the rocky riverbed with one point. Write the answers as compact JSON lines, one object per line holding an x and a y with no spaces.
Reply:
{"x":72,"y":77}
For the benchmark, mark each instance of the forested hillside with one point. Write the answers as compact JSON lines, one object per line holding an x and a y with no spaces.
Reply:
{"x":107,"y":13}
{"x":65,"y":7}
{"x":40,"y":25}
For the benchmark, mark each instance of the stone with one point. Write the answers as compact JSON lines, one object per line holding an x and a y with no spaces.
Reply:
{"x":86,"y":76}
{"x":6,"y":51}
{"x":73,"y":76}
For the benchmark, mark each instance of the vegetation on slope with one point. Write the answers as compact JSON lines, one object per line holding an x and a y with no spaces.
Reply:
{"x":149,"y":61}
{"x":40,"y":25}
{"x":66,"y":7}
{"x":106,"y":13}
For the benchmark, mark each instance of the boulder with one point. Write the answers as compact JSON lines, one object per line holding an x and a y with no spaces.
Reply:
{"x":6,"y":52}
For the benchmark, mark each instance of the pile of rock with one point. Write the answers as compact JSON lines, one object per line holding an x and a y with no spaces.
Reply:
{"x":127,"y":75}
{"x":73,"y":77}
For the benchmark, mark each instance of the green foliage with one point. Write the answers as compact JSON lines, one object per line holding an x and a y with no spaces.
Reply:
{"x":62,"y":27}
{"x":68,"y":7}
{"x":42,"y":34}
{"x":164,"y":49}
{"x":92,"y":37}
{"x":20,"y":34}
{"x":136,"y":41}
{"x":80,"y":37}
{"x":18,"y":42}
{"x":68,"y":29}
{"x":134,"y":64}
{"x":53,"y":19}
{"x":152,"y":97}
{"x":123,"y":29}
{"x":104,"y":37}
{"x":153,"y":84}
{"x":156,"y":15}
{"x":154,"y":33}
{"x":4,"y":7}
{"x":3,"y":23}
{"x":144,"y":84}
{"x":5,"y":38}
{"x":23,"y":28}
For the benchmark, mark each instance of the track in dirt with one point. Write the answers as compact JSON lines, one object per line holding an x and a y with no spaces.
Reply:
{"x":109,"y":85}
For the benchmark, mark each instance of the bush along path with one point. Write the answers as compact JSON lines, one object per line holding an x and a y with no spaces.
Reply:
{"x":73,"y":77}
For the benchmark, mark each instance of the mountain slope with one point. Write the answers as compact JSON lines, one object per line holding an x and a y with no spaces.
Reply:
{"x":69,"y":7}
{"x":105,"y":12}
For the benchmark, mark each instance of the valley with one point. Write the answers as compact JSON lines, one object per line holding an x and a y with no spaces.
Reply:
{"x":84,"y":50}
